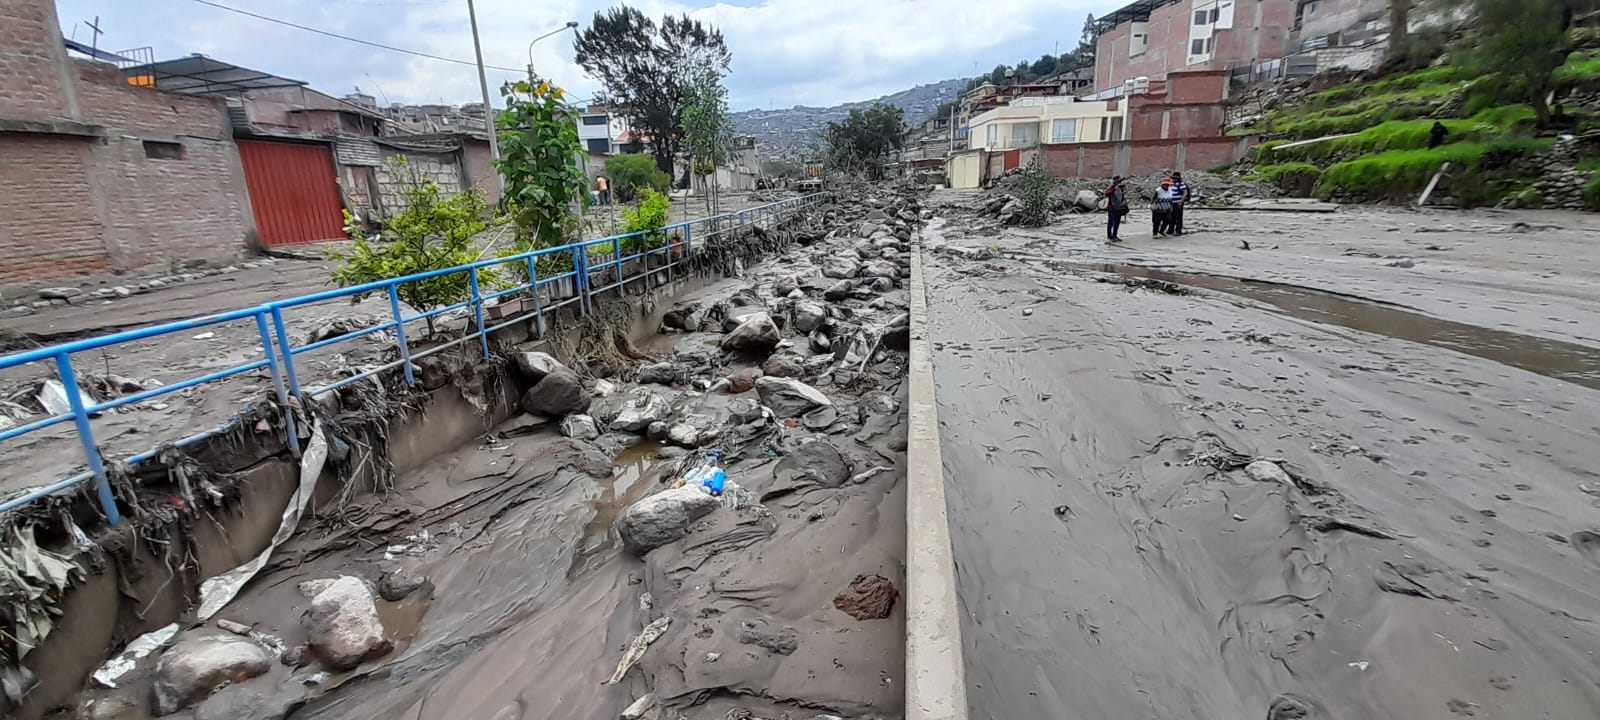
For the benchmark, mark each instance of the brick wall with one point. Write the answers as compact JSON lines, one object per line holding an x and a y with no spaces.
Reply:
{"x":1260,"y":32}
{"x":93,"y":198}
{"x":443,"y":169}
{"x":1142,"y":157}
{"x":480,"y":170}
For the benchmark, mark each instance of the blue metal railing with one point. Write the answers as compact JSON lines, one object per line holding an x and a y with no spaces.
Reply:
{"x":604,"y":256}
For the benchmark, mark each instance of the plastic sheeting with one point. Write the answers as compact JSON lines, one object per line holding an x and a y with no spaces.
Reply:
{"x":217,"y":592}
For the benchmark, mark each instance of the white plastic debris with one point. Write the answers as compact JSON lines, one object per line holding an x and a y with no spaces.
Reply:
{"x":53,"y":398}
{"x":140,"y":648}
{"x":205,"y":336}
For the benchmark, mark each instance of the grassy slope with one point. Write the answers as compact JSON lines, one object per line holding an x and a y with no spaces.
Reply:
{"x":1388,"y":121}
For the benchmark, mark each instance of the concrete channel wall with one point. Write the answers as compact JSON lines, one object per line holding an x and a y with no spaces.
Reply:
{"x":936,"y":682}
{"x":131,"y":590}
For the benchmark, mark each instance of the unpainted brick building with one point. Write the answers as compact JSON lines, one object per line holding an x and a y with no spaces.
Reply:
{"x":1153,"y":38}
{"x":102,"y":176}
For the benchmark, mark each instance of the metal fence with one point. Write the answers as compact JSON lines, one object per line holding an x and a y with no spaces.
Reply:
{"x":583,"y":269}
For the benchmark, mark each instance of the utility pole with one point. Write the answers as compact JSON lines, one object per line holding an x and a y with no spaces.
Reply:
{"x":488,"y":110}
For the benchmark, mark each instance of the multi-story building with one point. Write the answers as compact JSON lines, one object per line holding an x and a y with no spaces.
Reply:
{"x":1152,"y":38}
{"x":600,"y":129}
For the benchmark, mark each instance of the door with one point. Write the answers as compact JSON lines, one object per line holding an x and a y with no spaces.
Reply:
{"x":293,"y":191}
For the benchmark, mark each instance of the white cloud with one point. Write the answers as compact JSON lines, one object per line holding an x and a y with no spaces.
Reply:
{"x":785,"y":52}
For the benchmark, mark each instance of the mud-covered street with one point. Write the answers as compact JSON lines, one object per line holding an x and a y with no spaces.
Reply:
{"x":1348,"y":472}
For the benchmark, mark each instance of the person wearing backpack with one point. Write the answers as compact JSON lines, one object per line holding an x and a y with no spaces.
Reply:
{"x":1116,"y":208}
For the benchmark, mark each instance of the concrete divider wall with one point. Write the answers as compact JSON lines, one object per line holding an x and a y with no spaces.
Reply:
{"x":936,"y":683}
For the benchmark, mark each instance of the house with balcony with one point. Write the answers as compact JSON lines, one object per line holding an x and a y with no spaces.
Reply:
{"x":1033,"y":121}
{"x":1151,"y":39}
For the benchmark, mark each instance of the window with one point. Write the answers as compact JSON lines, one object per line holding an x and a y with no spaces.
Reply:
{"x":1200,"y":17}
{"x":1215,"y":13}
{"x":1024,"y":134}
{"x":595,"y":119}
{"x":1197,"y":47}
{"x":598,"y":146}
{"x":159,"y":150}
{"x":1111,"y":130}
{"x":1063,"y":131}
{"x":1211,"y":43}
{"x":994,"y":135}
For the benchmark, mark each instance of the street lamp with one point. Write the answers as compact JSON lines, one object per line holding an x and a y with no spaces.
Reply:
{"x":571,"y":25}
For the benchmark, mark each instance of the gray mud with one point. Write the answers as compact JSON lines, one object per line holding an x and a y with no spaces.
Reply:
{"x":1424,"y":557}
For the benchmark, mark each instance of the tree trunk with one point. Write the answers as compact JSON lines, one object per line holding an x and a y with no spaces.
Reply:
{"x":1541,"y":109}
{"x":1399,"y":25}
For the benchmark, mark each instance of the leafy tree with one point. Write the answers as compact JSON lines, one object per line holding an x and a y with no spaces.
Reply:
{"x":1032,"y":188}
{"x":1526,"y":40}
{"x":538,"y":157}
{"x":433,"y":232}
{"x":629,"y":174}
{"x":1043,"y":67}
{"x":646,"y":68}
{"x":859,"y":144}
{"x":707,"y":127}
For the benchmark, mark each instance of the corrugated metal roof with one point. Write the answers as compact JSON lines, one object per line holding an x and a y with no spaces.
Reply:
{"x":357,"y":151}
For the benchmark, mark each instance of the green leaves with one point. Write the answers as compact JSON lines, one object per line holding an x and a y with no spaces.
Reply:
{"x":432,"y":232}
{"x":859,"y":144}
{"x":629,"y":174}
{"x":648,"y":218}
{"x":539,"y":151}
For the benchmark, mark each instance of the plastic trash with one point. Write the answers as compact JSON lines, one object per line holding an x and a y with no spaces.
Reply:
{"x":52,"y":397}
{"x":708,"y":474}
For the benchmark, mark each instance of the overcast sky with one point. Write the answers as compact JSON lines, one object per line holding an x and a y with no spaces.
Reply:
{"x":785,"y":52}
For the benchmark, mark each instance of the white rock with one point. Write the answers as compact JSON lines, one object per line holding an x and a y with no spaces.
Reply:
{"x":1267,"y":471}
{"x":343,"y":625}
{"x":196,"y":667}
{"x":579,"y":427}
{"x":664,"y":517}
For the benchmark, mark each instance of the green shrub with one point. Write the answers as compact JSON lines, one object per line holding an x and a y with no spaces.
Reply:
{"x":1406,"y":135}
{"x":628,"y":173}
{"x":1581,"y":68}
{"x":1591,"y":193}
{"x":648,"y":218}
{"x":1296,"y":179}
{"x":433,"y":232}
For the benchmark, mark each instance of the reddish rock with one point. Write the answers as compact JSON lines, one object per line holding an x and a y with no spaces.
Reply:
{"x":870,"y":597}
{"x":743,"y":381}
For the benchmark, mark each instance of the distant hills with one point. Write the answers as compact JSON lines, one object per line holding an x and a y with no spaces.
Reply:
{"x":791,"y":133}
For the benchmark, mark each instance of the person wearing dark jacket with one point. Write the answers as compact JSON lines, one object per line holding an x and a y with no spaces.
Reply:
{"x":1116,"y":208}
{"x":1161,"y":209}
{"x":1436,"y":135}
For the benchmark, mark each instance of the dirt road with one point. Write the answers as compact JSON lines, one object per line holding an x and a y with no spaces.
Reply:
{"x":1423,"y":544}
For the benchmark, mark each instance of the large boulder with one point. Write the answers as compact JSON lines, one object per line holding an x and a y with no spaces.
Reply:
{"x":785,"y":285}
{"x":343,"y":627}
{"x":808,"y":316}
{"x":579,"y":427}
{"x":1087,"y":201}
{"x":661,"y":373}
{"x":663,"y":518}
{"x":743,"y":380}
{"x":642,"y":408}
{"x":196,"y":667}
{"x":535,"y":365}
{"x":687,"y":317}
{"x":897,"y":336}
{"x":841,"y":267}
{"x":557,"y":394}
{"x":789,"y":397}
{"x":783,"y":365}
{"x":880,"y":269}
{"x":839,"y":291}
{"x":757,"y":333}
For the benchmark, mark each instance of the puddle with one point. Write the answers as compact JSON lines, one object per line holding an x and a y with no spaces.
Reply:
{"x":1564,"y":361}
{"x":636,"y":472}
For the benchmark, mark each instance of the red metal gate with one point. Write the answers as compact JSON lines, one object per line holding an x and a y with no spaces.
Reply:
{"x":293,"y":191}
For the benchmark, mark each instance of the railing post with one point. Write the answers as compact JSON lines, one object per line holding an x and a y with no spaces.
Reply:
{"x":400,"y":333}
{"x":580,"y":276}
{"x":277,"y":383}
{"x":284,"y":346}
{"x":538,"y":304}
{"x":622,"y":282}
{"x":80,"y":417}
{"x":477,"y":308}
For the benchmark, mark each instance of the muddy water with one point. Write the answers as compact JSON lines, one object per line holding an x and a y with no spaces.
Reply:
{"x":1566,"y":361}
{"x":638,"y":472}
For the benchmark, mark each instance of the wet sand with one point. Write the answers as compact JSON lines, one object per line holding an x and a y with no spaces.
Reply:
{"x":1428,"y":557}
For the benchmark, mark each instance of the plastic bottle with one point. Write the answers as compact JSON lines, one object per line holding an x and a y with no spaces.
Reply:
{"x":711,"y":475}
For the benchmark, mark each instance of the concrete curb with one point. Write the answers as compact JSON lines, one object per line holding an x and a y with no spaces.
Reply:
{"x":936,"y":677}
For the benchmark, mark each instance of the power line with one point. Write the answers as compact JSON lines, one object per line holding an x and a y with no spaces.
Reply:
{"x":368,"y":43}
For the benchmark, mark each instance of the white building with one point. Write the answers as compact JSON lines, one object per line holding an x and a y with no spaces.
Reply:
{"x":599,"y":130}
{"x":1031,"y":121}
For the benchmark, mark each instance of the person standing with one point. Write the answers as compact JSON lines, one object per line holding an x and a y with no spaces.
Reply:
{"x":1161,"y":209}
{"x":1180,"y":190}
{"x":603,"y":188}
{"x":1116,"y":208}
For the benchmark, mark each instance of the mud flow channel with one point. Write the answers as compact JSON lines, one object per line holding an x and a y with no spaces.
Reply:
{"x":1565,"y":361}
{"x":1176,"y":495}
